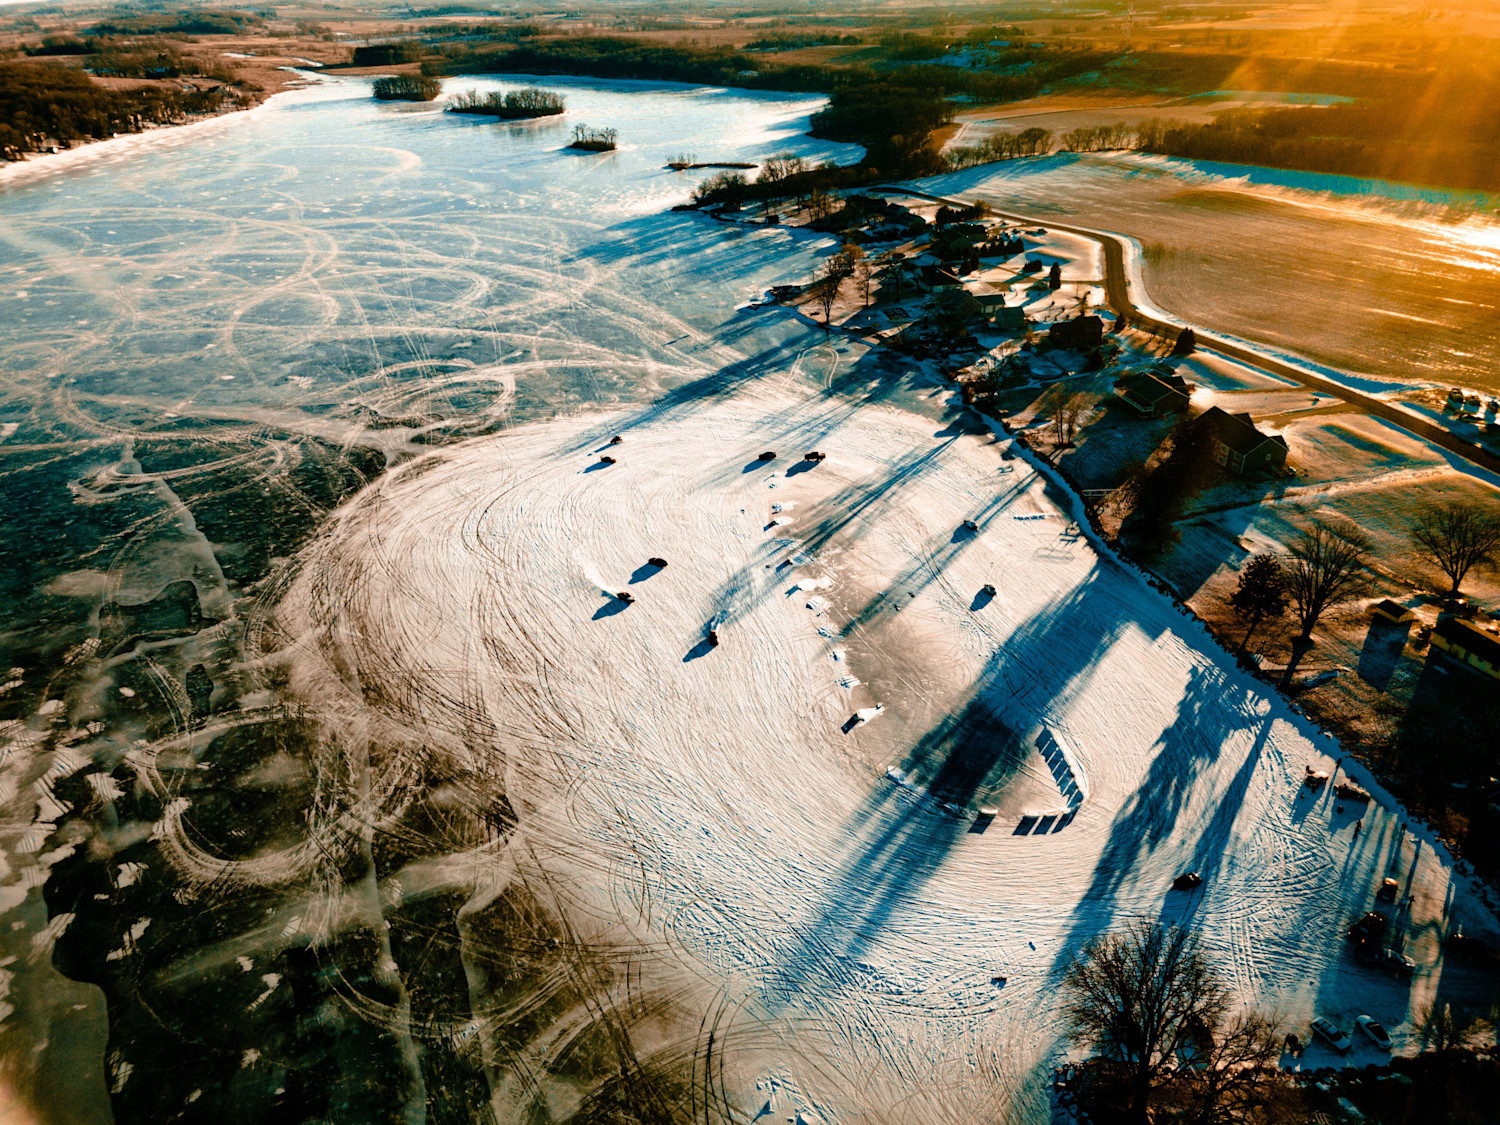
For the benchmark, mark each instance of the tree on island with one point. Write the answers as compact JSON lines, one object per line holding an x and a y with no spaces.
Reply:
{"x":407,"y":88}
{"x":1165,"y":1031}
{"x":1261,"y":594}
{"x":1458,"y":535}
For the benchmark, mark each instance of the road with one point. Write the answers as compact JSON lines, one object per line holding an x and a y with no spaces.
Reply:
{"x":1117,"y":293}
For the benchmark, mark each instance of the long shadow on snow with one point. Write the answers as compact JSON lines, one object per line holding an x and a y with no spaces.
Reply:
{"x":903,"y":839}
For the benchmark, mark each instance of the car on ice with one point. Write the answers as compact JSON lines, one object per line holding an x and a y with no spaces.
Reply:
{"x":1388,"y":889}
{"x":971,"y":525}
{"x":814,"y":456}
{"x":1368,"y":928}
{"x":988,"y":589}
{"x":1351,"y":791}
{"x":713,"y":638}
{"x":768,"y":455}
{"x":625,"y":596}
{"x":1187,"y":881}
{"x":1373,"y":1031}
{"x":1387,"y":960}
{"x":658,"y":562}
{"x":1338,"y":1040}
{"x":1314,"y":779}
{"x":606,"y":460}
{"x":616,"y":440}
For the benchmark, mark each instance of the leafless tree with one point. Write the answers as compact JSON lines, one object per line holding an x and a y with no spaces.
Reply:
{"x":825,"y":290}
{"x":1459,"y":535}
{"x":820,"y":204}
{"x":864,"y":278}
{"x":1067,"y":412}
{"x":1326,"y":565}
{"x":1148,"y":1004}
{"x":1442,"y":1027}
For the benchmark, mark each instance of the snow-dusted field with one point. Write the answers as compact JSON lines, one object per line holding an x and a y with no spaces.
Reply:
{"x":717,"y":816}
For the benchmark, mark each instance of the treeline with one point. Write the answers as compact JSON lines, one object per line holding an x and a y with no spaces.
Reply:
{"x":1001,"y":146}
{"x":800,"y":42}
{"x":42,"y":104}
{"x":205,"y":22}
{"x":132,"y":61}
{"x":1456,"y":150}
{"x":387,"y":54}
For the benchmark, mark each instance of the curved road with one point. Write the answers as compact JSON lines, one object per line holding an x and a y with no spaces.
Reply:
{"x":1117,"y":293}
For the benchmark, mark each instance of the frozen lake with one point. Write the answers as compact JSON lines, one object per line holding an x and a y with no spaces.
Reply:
{"x":333,"y":756}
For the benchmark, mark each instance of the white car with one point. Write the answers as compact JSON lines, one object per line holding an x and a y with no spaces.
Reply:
{"x":1338,"y":1040}
{"x":1375,"y":1032}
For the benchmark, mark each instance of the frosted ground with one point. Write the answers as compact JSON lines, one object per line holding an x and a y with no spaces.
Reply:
{"x":767,"y":861}
{"x":1369,"y":277}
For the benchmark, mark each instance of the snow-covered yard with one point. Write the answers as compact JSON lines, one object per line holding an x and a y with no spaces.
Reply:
{"x":742,"y":824}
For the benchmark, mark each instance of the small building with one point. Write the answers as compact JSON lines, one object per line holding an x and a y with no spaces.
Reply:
{"x":1154,"y":392}
{"x":1392,"y":611}
{"x":1468,"y":644}
{"x":1007,"y":318}
{"x":934,"y":279}
{"x":1078,"y":334}
{"x":1239,"y":446}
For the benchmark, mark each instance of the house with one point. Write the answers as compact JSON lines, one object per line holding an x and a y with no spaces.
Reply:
{"x":953,"y":310}
{"x":932,"y":279}
{"x":1154,"y":391}
{"x":1392,"y":611}
{"x":1080,"y":333}
{"x":994,"y":309}
{"x":1239,"y":446}
{"x":1468,"y":644}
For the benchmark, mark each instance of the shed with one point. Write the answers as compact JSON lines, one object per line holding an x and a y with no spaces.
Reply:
{"x":1392,"y":610}
{"x":1152,"y":393}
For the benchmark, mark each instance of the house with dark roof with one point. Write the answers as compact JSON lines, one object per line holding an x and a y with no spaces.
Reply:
{"x":1239,"y":446}
{"x":1393,"y":611}
{"x":932,"y":279}
{"x":1154,"y":391}
{"x":1007,"y":318}
{"x":1468,"y":644}
{"x":1079,"y":333}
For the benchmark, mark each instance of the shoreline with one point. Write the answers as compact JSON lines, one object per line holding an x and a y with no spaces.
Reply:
{"x":42,"y":165}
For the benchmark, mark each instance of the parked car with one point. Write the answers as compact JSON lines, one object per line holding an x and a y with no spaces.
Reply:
{"x":659,"y":563}
{"x":1374,"y":1031}
{"x":988,"y":589}
{"x":713,"y":637}
{"x":1187,"y":881}
{"x":1368,"y":928}
{"x":971,"y":525}
{"x":1352,"y":791}
{"x":1394,"y":963}
{"x":625,"y":596}
{"x":616,"y":440}
{"x":1314,"y":779}
{"x":1388,"y":889}
{"x":814,"y":456}
{"x":1338,"y":1040}
{"x":768,"y":455}
{"x":606,"y":460}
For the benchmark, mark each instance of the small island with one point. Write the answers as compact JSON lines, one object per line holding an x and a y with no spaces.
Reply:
{"x":593,"y":140}
{"x":518,"y":105}
{"x":407,"y":88}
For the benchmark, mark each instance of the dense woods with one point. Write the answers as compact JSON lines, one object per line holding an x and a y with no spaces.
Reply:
{"x":42,"y":104}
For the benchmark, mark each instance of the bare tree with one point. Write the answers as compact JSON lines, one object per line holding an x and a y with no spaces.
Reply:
{"x":1067,"y":412}
{"x":1139,"y":998}
{"x":1326,"y":566}
{"x":864,"y":278}
{"x":820,"y":204}
{"x":1459,"y":535}
{"x":1230,"y":1072}
{"x":825,"y":290}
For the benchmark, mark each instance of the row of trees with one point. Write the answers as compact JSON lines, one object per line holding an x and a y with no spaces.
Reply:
{"x":1001,"y":146}
{"x":1329,"y":564}
{"x":1170,"y":1042}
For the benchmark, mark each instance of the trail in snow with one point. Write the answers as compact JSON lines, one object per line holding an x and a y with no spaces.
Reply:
{"x":726,"y":814}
